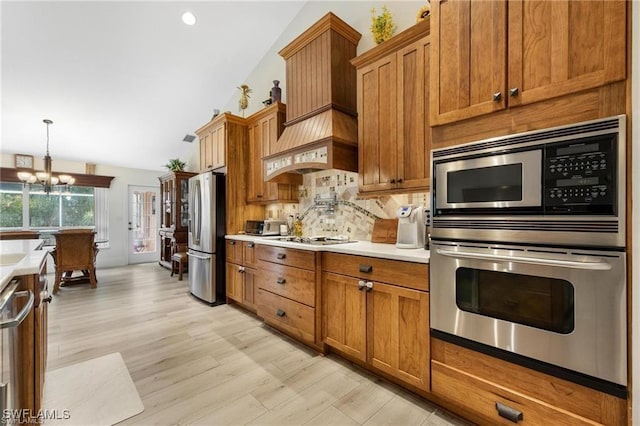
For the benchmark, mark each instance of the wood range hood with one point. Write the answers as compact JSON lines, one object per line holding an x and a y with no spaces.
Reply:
{"x":321,"y":131}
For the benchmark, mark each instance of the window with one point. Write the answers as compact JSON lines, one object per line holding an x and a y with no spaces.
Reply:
{"x":23,"y":207}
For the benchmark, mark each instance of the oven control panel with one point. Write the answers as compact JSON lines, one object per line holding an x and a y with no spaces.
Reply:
{"x":579,"y":176}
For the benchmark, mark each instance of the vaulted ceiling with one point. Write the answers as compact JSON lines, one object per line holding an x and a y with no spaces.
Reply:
{"x":124,"y":82}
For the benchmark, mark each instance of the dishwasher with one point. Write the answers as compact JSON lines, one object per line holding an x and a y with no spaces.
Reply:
{"x":15,"y":306}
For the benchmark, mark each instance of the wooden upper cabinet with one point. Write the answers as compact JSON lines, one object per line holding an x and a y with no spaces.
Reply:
{"x":551,"y":48}
{"x":264,"y":128}
{"x":377,"y":124}
{"x":562,"y":47}
{"x":394,"y":137}
{"x":213,"y":140}
{"x":468,"y":59}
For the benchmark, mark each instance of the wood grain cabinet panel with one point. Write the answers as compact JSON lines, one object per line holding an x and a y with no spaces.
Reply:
{"x":235,"y":282}
{"x":250,"y":254}
{"x":234,"y":251}
{"x":476,"y":382}
{"x":491,"y":55}
{"x":293,"y":283}
{"x":398,"y":327}
{"x":264,"y":129}
{"x":286,"y":256}
{"x":344,"y":315}
{"x":249,"y":288}
{"x":383,"y":324}
{"x":394,"y":137}
{"x":296,"y":318}
{"x":241,"y":270}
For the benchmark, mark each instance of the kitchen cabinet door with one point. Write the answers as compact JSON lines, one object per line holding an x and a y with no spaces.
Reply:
{"x":249,"y":284}
{"x":377,"y":121}
{"x":250,"y":254}
{"x":414,"y":133}
{"x":398,"y":333}
{"x":234,"y":251}
{"x":41,"y":326}
{"x":219,"y":139}
{"x":344,"y":314}
{"x":206,"y":152}
{"x":235,"y":282}
{"x":562,"y":47}
{"x":255,"y":182}
{"x":468,"y":59}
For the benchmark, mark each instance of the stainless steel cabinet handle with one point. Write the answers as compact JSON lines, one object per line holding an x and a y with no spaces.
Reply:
{"x":509,"y":413}
{"x":497,"y":97}
{"x":14,"y":322}
{"x":281,"y":280}
{"x":593,"y":266}
{"x":281,"y":256}
{"x":198,"y":257}
{"x":514,"y":92}
{"x":281,"y":313}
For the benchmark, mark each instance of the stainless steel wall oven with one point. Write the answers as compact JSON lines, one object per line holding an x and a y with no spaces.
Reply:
{"x":528,"y":257}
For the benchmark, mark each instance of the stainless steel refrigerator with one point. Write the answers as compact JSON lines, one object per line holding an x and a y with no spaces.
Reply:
{"x":206,"y":237}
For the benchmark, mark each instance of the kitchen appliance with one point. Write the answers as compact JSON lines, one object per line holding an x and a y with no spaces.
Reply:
{"x":563,"y":185}
{"x":562,"y":309}
{"x":316,"y":240}
{"x":15,"y":306}
{"x":206,"y":229}
{"x":263,"y":227}
{"x":410,"y":227}
{"x":527,"y":255}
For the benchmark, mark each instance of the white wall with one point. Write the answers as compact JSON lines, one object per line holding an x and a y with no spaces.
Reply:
{"x":117,"y":253}
{"x":635,"y":199}
{"x":272,"y":66}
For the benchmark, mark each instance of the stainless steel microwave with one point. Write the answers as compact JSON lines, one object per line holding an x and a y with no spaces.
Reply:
{"x":563,"y":185}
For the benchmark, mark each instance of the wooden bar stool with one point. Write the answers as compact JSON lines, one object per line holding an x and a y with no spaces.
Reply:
{"x":179,"y":260}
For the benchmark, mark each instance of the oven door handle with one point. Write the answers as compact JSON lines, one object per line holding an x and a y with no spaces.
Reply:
{"x":593,"y":266}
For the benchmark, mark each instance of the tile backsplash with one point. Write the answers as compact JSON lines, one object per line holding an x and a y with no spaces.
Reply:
{"x":328,"y":205}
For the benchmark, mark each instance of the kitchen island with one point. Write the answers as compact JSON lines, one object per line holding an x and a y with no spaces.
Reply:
{"x":20,"y":257}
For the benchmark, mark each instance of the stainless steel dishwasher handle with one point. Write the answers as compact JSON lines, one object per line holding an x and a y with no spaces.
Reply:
{"x":593,"y":266}
{"x":198,"y":257}
{"x":14,"y":322}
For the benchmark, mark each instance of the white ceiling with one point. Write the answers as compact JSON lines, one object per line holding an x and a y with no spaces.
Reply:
{"x":124,"y":82}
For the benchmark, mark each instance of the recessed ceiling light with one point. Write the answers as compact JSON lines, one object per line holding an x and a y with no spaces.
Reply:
{"x":189,"y":18}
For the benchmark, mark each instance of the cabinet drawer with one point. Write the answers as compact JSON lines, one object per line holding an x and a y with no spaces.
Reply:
{"x":293,"y":283}
{"x":234,"y":251}
{"x":405,"y":274}
{"x":549,"y":390}
{"x":484,"y":397}
{"x":293,"y":317}
{"x":286,"y":256}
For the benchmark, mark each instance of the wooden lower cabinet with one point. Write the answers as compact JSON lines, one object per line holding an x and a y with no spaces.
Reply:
{"x":285,"y":294}
{"x":383,"y":324}
{"x":241,"y":270}
{"x":481,"y":384}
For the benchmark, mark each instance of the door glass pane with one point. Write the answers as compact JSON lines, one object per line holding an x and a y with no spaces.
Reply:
{"x":485,"y":184}
{"x":184,"y":202}
{"x":143,"y":221}
{"x":545,"y":303}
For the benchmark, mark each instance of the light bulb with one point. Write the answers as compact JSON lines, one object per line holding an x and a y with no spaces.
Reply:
{"x":189,"y":18}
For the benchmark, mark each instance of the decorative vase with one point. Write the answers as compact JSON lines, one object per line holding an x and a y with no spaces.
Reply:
{"x":276,"y":92}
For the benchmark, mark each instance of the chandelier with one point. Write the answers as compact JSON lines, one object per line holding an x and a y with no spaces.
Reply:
{"x":45,"y":178}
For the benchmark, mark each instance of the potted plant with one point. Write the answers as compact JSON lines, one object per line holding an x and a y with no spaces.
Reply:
{"x":175,"y":165}
{"x":382,"y":26}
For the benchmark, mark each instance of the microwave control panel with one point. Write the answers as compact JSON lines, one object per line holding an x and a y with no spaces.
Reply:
{"x":579,"y":176}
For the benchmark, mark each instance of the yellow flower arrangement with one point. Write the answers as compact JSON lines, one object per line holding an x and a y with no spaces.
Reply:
{"x":382,"y":26}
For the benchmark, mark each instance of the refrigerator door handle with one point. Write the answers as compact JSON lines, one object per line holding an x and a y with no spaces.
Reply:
{"x":198,"y":257}
{"x":197,"y":212}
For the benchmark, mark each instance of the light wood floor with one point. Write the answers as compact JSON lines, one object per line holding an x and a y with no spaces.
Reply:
{"x":193,"y":364}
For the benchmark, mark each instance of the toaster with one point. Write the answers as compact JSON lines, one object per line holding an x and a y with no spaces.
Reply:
{"x":263,"y":227}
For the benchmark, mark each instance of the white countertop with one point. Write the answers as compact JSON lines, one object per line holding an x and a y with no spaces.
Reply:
{"x":27,"y":265}
{"x":360,"y":248}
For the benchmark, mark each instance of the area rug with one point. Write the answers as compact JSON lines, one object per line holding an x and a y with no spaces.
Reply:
{"x":99,"y":391}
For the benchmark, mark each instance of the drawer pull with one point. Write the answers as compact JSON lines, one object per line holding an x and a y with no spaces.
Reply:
{"x":281,"y":313}
{"x":369,"y":286}
{"x":361,"y":285}
{"x":365,"y":268}
{"x":232,"y":243}
{"x":251,"y":245}
{"x":281,"y":256}
{"x":281,"y":280}
{"x":509,"y":413}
